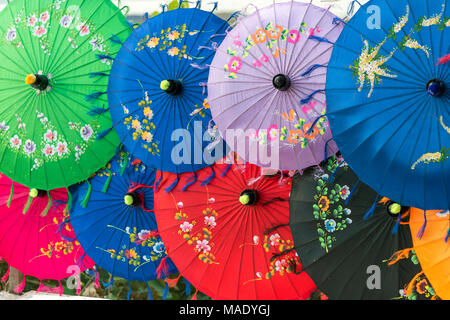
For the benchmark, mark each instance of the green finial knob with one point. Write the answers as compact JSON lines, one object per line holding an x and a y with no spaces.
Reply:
{"x":395,"y":208}
{"x":165,"y":85}
{"x":128,"y":199}
{"x":244,"y":199}
{"x":34,"y":193}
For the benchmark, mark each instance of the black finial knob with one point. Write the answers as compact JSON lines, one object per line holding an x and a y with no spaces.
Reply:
{"x":281,"y":82}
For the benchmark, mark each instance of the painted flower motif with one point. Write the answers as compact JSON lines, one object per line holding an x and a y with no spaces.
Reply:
{"x":86,"y":132}
{"x":44,"y":17}
{"x":84,"y":29}
{"x":147,"y":136}
{"x":180,"y":204}
{"x":186,"y":227}
{"x":235,"y":64}
{"x":153,"y":42}
{"x":96,"y":44}
{"x":50,"y":136}
{"x":443,"y":213}
{"x":3,"y":126}
{"x":330,"y":225}
{"x":66,"y":21}
{"x":210,"y":222}
{"x":294,"y":136}
{"x":347,"y":211}
{"x":279,"y":265}
{"x":421,"y":286}
{"x":173,"y":51}
{"x":61,"y":148}
{"x":31,"y":21}
{"x":203,"y":246}
{"x":39,"y":31}
{"x":260,"y":36}
{"x":294,"y":36}
{"x":174,"y":35}
{"x":237,"y":43}
{"x":15,"y":142}
{"x":211,"y":200}
{"x":11,"y":34}
{"x":324,"y":203}
{"x":49,"y":150}
{"x":130,"y":254}
{"x":159,"y":247}
{"x":345,"y":192}
{"x":349,"y":221}
{"x":272,"y":132}
{"x":148,"y":113}
{"x":136,"y":125}
{"x":275,"y":34}
{"x":264,"y":58}
{"x":273,"y":239}
{"x":29,"y":147}
{"x":255,"y":240}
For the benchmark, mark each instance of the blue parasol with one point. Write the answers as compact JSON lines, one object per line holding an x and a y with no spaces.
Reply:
{"x":388,"y":99}
{"x":112,"y":217}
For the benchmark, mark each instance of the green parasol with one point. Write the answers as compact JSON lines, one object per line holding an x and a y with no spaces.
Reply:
{"x":50,"y":135}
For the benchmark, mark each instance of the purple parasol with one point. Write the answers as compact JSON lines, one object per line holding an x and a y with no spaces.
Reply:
{"x":267,"y":85}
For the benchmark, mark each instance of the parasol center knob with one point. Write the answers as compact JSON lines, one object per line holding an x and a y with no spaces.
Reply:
{"x":35,"y":193}
{"x":131,"y":199}
{"x":248,"y":197}
{"x":435,"y":88}
{"x":394,"y":209}
{"x":171,"y":87}
{"x":37,"y":81}
{"x":281,"y":82}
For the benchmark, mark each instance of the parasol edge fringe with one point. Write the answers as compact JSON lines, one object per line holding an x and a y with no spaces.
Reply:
{"x":108,"y":181}
{"x":173,"y":185}
{"x":49,"y":205}
{"x":371,"y":211}
{"x":308,"y":98}
{"x":210,"y":178}
{"x":85,"y":200}
{"x":352,"y":192}
{"x":424,"y":226}
{"x":11,"y":192}
{"x":191,"y":182}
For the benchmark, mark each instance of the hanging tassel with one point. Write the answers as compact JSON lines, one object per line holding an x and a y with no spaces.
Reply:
{"x":188,"y":287}
{"x":150,"y":295}
{"x":311,"y":69}
{"x":197,"y":66}
{"x":223,"y":174}
{"x":173,"y":185}
{"x":325,"y":151}
{"x":308,"y":99}
{"x":78,"y":285}
{"x":27,"y":205}
{"x":85,"y":201}
{"x":397,"y":224}
{"x":422,"y":229}
{"x":211,"y":177}
{"x":103,"y":134}
{"x":333,"y":175}
{"x":115,"y":39}
{"x":104,"y":57}
{"x":49,"y":204}
{"x":69,"y":200}
{"x":158,"y":182}
{"x":94,"y":96}
{"x":194,"y":297}
{"x":320,"y":39}
{"x":96,"y":111}
{"x":11,"y":192}
{"x":108,"y":181}
{"x":188,"y":184}
{"x":5,"y":276}
{"x":61,"y":289}
{"x":166,"y":291}
{"x":444,"y":60}
{"x":172,"y":283}
{"x":448,"y":232}
{"x":98,"y":74}
{"x":109,"y":284}
{"x":351,"y":192}
{"x":311,"y":129}
{"x":337,"y":20}
{"x":124,"y":165}
{"x":97,"y":282}
{"x":21,"y":286}
{"x":351,"y":7}
{"x":372,"y":209}
{"x":162,"y":267}
{"x":129,"y":290}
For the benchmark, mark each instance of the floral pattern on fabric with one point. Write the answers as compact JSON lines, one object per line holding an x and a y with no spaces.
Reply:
{"x":143,"y":127}
{"x":170,"y":40}
{"x":52,"y":146}
{"x":329,"y":208}
{"x":140,"y":238}
{"x":200,"y":241}
{"x":370,"y":65}
{"x":38,"y":25}
{"x":271,"y":35}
